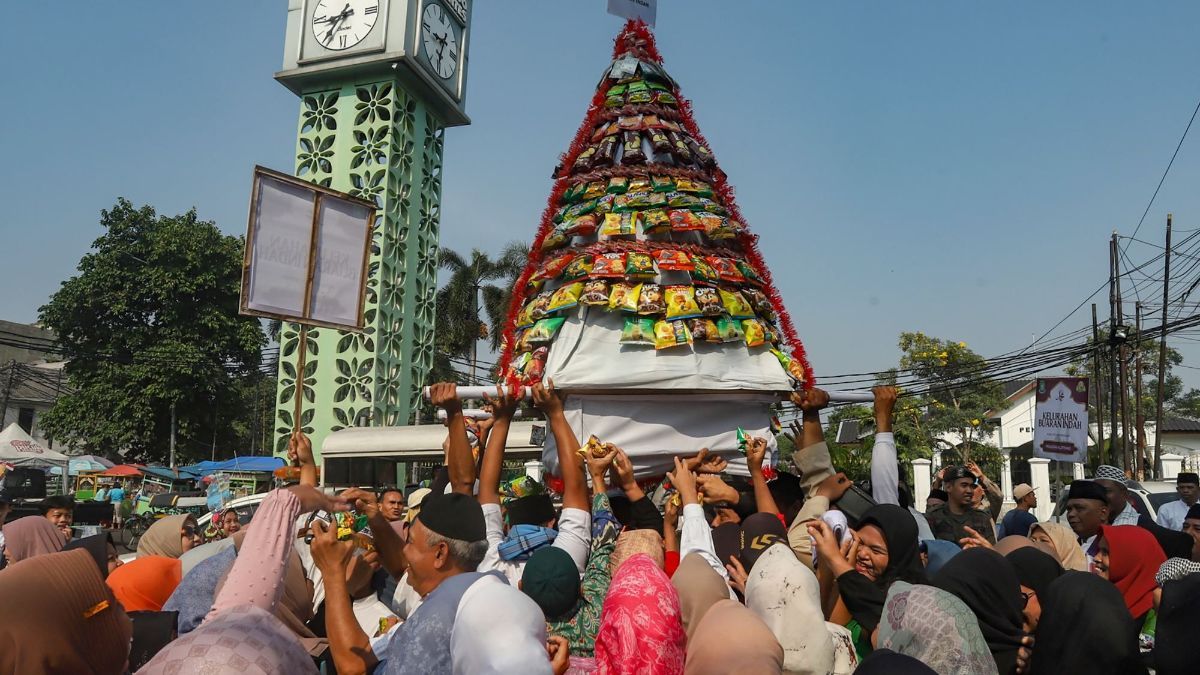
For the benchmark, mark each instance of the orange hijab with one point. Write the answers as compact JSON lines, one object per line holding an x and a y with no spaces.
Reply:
{"x":145,"y":583}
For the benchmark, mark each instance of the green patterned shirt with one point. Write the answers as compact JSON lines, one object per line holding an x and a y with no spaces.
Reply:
{"x":580,"y":630}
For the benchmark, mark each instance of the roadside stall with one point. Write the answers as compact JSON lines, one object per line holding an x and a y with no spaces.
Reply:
{"x":17,"y":448}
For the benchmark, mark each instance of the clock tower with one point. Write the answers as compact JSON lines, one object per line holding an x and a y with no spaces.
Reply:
{"x":379,"y":81}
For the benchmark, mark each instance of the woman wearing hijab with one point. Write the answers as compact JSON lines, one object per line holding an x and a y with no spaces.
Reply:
{"x":987,"y":584}
{"x":223,"y":525}
{"x":935,"y":628}
{"x":699,"y":588}
{"x":1066,"y":546}
{"x":102,"y":550}
{"x":1035,"y":570}
{"x":785,"y":594}
{"x":633,"y":542}
{"x":1178,"y":630}
{"x":31,"y":536}
{"x":68,"y":622}
{"x":937,"y":553}
{"x":886,"y":551}
{"x":1129,"y":557}
{"x":144,"y":584}
{"x":241,"y":629}
{"x":640,"y":628}
{"x":1084,"y":629}
{"x":731,"y":639}
{"x":170,"y":537}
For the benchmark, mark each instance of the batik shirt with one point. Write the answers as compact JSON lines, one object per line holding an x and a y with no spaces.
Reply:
{"x":580,"y":630}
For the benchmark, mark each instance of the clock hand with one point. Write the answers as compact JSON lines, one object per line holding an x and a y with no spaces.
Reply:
{"x":346,"y":12}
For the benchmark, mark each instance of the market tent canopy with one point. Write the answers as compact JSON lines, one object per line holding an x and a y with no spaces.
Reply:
{"x":83,"y":463}
{"x":167,"y":473}
{"x":260,"y":464}
{"x":122,"y":471}
{"x":19,"y":449}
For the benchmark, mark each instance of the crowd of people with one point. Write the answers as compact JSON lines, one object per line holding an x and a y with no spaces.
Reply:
{"x":779,"y":571}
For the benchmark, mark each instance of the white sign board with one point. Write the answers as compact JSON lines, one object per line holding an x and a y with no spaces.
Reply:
{"x":307,"y":249}
{"x":1060,"y":424}
{"x":634,"y":9}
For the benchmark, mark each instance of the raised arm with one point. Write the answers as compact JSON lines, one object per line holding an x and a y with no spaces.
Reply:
{"x":885,"y":471}
{"x":300,"y":453}
{"x":503,"y":409}
{"x":811,"y":403}
{"x":349,"y":646}
{"x":575,"y":490}
{"x":756,"y":452}
{"x":459,"y":462}
{"x":388,"y":544}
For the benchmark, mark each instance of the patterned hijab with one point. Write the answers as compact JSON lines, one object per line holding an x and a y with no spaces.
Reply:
{"x":31,"y":536}
{"x":1065,"y":544}
{"x":640,"y":627}
{"x":633,"y":542}
{"x":238,"y":641}
{"x":163,"y":538}
{"x":784,"y":593}
{"x":935,"y":628}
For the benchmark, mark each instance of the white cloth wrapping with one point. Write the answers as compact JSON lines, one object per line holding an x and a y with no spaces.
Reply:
{"x":652,"y":428}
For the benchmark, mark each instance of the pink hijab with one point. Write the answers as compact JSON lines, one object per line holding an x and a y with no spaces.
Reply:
{"x":32,"y":536}
{"x":641,"y":630}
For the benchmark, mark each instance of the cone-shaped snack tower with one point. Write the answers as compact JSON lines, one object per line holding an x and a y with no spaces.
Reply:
{"x":645,"y":296}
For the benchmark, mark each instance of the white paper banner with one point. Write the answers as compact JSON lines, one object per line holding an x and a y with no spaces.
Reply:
{"x":1060,"y":426}
{"x":634,"y":9}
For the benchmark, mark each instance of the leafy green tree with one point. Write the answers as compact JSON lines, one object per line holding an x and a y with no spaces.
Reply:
{"x":150,"y":321}
{"x":476,"y":283}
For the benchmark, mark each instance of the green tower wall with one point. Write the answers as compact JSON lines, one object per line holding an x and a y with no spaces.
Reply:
{"x":377,"y":141}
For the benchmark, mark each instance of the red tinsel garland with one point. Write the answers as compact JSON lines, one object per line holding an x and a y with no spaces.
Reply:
{"x":636,"y":37}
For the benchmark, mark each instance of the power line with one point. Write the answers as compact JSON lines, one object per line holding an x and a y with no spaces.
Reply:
{"x":1166,"y":171}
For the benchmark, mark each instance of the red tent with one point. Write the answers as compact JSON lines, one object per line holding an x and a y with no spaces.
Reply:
{"x":122,"y":471}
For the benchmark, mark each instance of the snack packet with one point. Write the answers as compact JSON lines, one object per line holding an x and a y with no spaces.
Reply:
{"x":619,"y":225}
{"x":541,"y":304}
{"x":544,"y":330}
{"x":556,"y":239}
{"x":583,"y":226}
{"x":726,"y":269}
{"x":525,"y":316}
{"x":630,"y":123}
{"x":659,"y":141}
{"x":662,"y":183}
{"x":594,"y":190}
{"x":735,"y":304}
{"x":684,"y":221}
{"x":595,"y":292}
{"x":669,"y":334}
{"x":703,"y":272}
{"x":716,"y":227}
{"x":679,"y":148}
{"x":703,"y":155}
{"x":584,"y":161}
{"x":638,"y":330}
{"x":655,"y":221}
{"x":749,"y":272}
{"x":741,"y":440}
{"x":670,"y":259}
{"x":535,"y":367}
{"x":665,"y":98}
{"x":579,"y":268}
{"x":565,"y":297}
{"x":609,"y":265}
{"x":760,"y":302}
{"x":606,"y":152}
{"x":729,"y":329}
{"x":639,"y":184}
{"x":575,"y":192}
{"x":753,"y":330}
{"x":618,"y":185}
{"x":632,"y":149}
{"x":681,"y":302}
{"x":709,"y":301}
{"x":624,"y":297}
{"x":639,"y":265}
{"x":651,"y":300}
{"x":704,"y":330}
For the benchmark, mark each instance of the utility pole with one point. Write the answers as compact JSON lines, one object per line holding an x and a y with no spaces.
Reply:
{"x":1123,"y":362}
{"x":12,"y":372}
{"x":1162,"y":357}
{"x":1098,"y":388}
{"x":1139,"y":420}
{"x":1112,"y":344}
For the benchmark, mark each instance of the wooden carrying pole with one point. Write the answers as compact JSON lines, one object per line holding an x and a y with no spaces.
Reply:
{"x":1162,"y":357}
{"x":302,"y":348}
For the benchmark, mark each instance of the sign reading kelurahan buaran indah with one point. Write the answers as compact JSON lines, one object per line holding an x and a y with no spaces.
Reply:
{"x":1060,"y":425}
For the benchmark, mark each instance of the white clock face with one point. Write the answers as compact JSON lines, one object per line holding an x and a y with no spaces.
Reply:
{"x":341,"y":24}
{"x":441,"y":44}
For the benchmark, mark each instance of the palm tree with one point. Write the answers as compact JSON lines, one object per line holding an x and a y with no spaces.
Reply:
{"x":458,"y":325}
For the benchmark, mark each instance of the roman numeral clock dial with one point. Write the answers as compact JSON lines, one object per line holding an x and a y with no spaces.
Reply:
{"x":341,"y":24}
{"x":440,"y":40}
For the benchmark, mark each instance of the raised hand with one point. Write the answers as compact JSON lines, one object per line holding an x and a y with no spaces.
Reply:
{"x":756,"y":452}
{"x":547,"y":399}
{"x":716,"y":490}
{"x":444,"y":395}
{"x":704,"y":462}
{"x":684,"y":481}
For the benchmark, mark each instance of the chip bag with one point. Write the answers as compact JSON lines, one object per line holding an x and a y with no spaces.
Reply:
{"x":595,"y":190}
{"x":555,"y":266}
{"x":662,"y":183}
{"x":584,"y":161}
{"x":579,"y":268}
{"x":709,"y":301}
{"x":681,"y":302}
{"x":703,"y":272}
{"x":609,"y":265}
{"x":624,"y":297}
{"x":630,"y":123}
{"x":655,"y":221}
{"x":670,"y":259}
{"x":583,"y":226}
{"x":618,"y":185}
{"x":704,"y":330}
{"x":753,"y":330}
{"x":535,"y":367}
{"x":575,"y":192}
{"x":544,"y":330}
{"x":651,"y":300}
{"x":729,"y":329}
{"x":525,"y":316}
{"x":523,"y":344}
{"x":639,"y":184}
{"x":541,"y":305}
{"x":565,"y":297}
{"x":595,"y":292}
{"x":618,"y":225}
{"x":749,"y":272}
{"x":684,"y":221}
{"x":632,"y":148}
{"x":726,"y":269}
{"x":735,"y":304}
{"x":638,"y":330}
{"x":606,"y":152}
{"x":669,"y":334}
{"x":639,"y":265}
{"x":760,"y":302}
{"x":557,"y":238}
{"x":659,"y":141}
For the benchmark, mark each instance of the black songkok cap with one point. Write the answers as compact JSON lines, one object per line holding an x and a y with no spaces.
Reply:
{"x":1187,"y":477}
{"x":954,"y":473}
{"x":1087,"y":489}
{"x":530,"y":510}
{"x":1194,"y":512}
{"x":454,"y":516}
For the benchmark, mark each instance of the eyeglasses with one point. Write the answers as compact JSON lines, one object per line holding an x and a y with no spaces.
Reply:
{"x":189,"y":531}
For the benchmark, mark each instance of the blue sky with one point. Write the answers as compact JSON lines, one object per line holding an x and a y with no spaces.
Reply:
{"x":937,"y":166}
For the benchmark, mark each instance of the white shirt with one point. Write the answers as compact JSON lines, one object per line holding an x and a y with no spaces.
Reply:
{"x":1171,"y":515}
{"x":885,"y":473}
{"x":695,"y":536}
{"x":574,"y":537}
